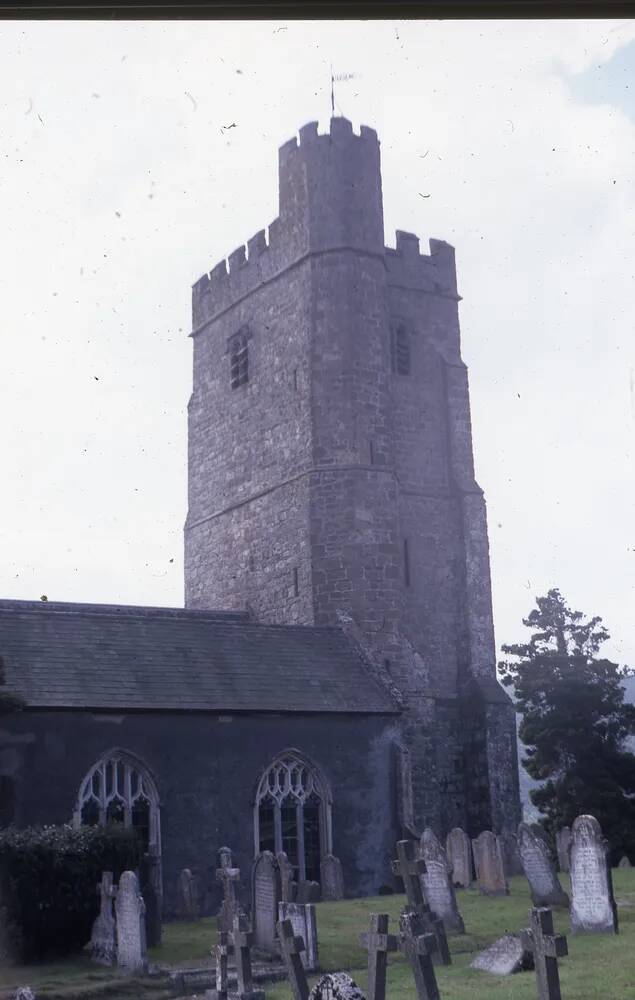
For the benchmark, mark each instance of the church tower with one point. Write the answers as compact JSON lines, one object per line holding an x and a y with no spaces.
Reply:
{"x":331,"y":478}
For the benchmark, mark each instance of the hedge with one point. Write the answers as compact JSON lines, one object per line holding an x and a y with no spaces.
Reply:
{"x":48,"y":885}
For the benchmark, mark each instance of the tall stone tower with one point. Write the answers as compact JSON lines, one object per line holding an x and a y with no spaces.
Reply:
{"x":330,"y":466}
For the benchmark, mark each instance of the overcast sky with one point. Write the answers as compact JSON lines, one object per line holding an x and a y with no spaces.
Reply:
{"x":135,"y":156}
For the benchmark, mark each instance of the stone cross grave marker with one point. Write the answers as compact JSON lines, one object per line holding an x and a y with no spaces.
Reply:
{"x":131,"y":930}
{"x":303,"y":921}
{"x":229,"y":878}
{"x":593,"y":906}
{"x":378,"y":942}
{"x":288,"y":886}
{"x":437,"y":883}
{"x":331,"y":877}
{"x":563,"y":839}
{"x":292,"y":946}
{"x":242,"y":940}
{"x":546,"y":948}
{"x":539,"y":868}
{"x":222,"y":950}
{"x":459,"y":851}
{"x":187,"y":895}
{"x":418,"y":947}
{"x":266,"y":894}
{"x":492,"y":880}
{"x":103,"y":938}
{"x":336,"y":986}
{"x":224,"y":857}
{"x":511,"y":858}
{"x":504,"y":956}
{"x":411,"y":869}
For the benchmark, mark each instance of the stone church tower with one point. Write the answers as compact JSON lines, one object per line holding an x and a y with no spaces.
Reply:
{"x":331,"y":478}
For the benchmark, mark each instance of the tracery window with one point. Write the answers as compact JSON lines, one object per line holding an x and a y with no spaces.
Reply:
{"x":400,"y":350}
{"x":119,"y":789}
{"x":293,"y":813}
{"x":239,"y":360}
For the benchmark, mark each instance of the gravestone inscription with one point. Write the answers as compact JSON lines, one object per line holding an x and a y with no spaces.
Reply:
{"x":459,"y":851}
{"x":103,"y":938}
{"x":492,"y":880}
{"x":304,"y":924}
{"x":437,"y":882}
{"x":266,"y":894}
{"x":131,"y":929}
{"x":331,"y":877}
{"x":593,"y":906}
{"x":539,"y":868}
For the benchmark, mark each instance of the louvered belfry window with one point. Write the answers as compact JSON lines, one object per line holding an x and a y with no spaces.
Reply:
{"x":400,"y":349}
{"x":239,"y":360}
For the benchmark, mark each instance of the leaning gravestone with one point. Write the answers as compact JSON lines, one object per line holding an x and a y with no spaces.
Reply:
{"x":266,"y":894}
{"x":563,"y":839}
{"x":187,"y":896}
{"x":336,"y":986}
{"x":437,"y":883}
{"x":331,"y":877}
{"x":511,"y":858}
{"x":504,"y":957}
{"x":131,"y":929}
{"x":459,"y":852}
{"x":539,"y":868}
{"x":303,"y":922}
{"x":592,"y":904}
{"x":492,"y":880}
{"x":103,"y":937}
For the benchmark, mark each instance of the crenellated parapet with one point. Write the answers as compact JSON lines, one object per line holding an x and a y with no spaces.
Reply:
{"x":409,"y":268}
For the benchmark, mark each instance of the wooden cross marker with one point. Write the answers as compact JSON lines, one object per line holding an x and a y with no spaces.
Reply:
{"x":418,"y":947}
{"x":547,"y":948}
{"x":378,"y":942}
{"x":291,"y":945}
{"x":242,"y":940}
{"x":223,"y":949}
{"x":411,"y":868}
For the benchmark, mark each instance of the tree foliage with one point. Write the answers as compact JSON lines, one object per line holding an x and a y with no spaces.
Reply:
{"x":575,"y":722}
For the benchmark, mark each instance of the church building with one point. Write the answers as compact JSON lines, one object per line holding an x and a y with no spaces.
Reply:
{"x":330,"y":685}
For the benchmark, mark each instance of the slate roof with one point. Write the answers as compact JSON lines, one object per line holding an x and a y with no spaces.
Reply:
{"x":91,"y":656}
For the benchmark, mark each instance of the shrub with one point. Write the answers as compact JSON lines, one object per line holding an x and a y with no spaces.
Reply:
{"x":49,"y":879}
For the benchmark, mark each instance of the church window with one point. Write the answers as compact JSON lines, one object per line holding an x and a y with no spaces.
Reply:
{"x":119,"y":790}
{"x":400,"y":350}
{"x":293,"y":814}
{"x":239,"y":361}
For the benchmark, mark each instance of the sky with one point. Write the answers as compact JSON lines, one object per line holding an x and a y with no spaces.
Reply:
{"x":137,"y":155}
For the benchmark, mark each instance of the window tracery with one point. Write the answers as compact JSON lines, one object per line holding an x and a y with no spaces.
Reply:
{"x":119,"y":789}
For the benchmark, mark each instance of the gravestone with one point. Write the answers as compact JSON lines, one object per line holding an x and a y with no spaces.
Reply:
{"x":459,"y":851}
{"x":223,"y":949}
{"x":563,"y":839}
{"x":242,"y":940}
{"x":304,"y":924}
{"x":539,"y":868}
{"x":546,"y":948}
{"x":418,"y":947}
{"x":336,"y":986}
{"x":504,"y":957}
{"x":103,"y":938}
{"x":437,"y":883}
{"x":593,"y":907}
{"x":266,"y":894}
{"x":410,"y":869}
{"x":230,"y":908}
{"x":378,"y":942}
{"x":492,"y":880}
{"x":308,"y":892}
{"x":624,"y":863}
{"x":288,"y":886}
{"x":331,"y":877}
{"x":187,"y":907}
{"x":151,"y":890}
{"x":131,"y":928}
{"x":291,"y":948}
{"x":511,"y":858}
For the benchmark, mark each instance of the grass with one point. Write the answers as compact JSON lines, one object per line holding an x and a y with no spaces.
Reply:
{"x":598,"y":967}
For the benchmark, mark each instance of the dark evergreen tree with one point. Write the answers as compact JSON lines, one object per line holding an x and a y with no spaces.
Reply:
{"x":575,"y":722}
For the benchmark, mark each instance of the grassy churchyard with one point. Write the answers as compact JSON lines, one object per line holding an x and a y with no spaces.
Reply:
{"x":598,"y":967}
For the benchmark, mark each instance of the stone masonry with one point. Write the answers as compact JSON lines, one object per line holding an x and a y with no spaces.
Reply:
{"x":339,"y":477}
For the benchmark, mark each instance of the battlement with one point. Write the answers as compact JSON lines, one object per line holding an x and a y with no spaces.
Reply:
{"x":409,"y":268}
{"x":340,"y":131}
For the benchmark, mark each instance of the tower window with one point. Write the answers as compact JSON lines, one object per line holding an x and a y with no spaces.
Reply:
{"x":239,"y":361}
{"x":400,"y":350}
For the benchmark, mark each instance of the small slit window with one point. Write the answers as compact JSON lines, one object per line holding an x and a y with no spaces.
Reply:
{"x":400,"y":350}
{"x":239,"y":361}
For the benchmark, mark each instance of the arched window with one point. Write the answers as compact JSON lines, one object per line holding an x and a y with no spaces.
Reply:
{"x":293,"y":813}
{"x":119,"y":789}
{"x":238,"y":361}
{"x":400,"y":350}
